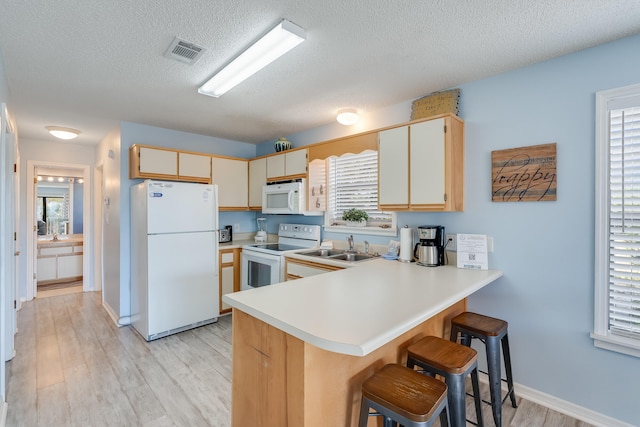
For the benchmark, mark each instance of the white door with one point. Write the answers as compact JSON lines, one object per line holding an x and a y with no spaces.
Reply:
{"x":182,"y":280}
{"x":7,"y":245}
{"x":178,"y":207}
{"x":427,"y":180}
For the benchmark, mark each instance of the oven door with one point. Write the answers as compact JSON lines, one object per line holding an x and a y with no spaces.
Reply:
{"x":259,"y":269}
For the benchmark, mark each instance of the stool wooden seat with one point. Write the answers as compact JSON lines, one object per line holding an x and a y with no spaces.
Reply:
{"x":404,"y":396}
{"x":437,"y":356}
{"x":493,"y":332}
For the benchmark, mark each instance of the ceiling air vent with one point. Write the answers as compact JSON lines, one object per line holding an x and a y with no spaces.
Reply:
{"x":184,"y":51}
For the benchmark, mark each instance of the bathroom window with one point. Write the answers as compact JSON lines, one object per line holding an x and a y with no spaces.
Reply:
{"x":617,"y":249}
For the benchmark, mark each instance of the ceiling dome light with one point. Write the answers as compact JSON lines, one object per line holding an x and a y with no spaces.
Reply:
{"x":62,"y":132}
{"x":348,"y":116}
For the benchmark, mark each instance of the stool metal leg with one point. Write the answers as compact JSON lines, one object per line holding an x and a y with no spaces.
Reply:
{"x":444,"y":417}
{"x":456,"y":400}
{"x":507,"y":366}
{"x":493,"y":364}
{"x":364,"y":412}
{"x":476,"y":397}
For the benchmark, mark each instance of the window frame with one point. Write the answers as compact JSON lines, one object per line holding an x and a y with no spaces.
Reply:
{"x":602,"y":336}
{"x":369,"y":229}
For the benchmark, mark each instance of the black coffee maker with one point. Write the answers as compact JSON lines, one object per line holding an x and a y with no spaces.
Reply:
{"x":429,"y":251}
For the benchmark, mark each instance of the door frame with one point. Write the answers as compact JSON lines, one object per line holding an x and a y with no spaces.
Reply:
{"x":87,"y":232}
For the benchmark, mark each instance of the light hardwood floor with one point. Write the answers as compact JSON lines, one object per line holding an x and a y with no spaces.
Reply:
{"x":74,"y":367}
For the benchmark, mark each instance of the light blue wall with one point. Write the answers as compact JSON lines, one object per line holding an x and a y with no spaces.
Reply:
{"x":546,"y":249}
{"x":4,"y":85}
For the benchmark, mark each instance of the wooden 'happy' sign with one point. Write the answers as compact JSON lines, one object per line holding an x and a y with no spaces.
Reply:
{"x":525,"y":174}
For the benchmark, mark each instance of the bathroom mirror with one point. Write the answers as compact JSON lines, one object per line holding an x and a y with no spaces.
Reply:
{"x":59,"y":203}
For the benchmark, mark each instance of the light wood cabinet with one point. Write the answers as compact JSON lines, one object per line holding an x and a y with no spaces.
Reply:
{"x":291,"y":164}
{"x":393,"y":160}
{"x":59,"y":263}
{"x":257,"y":178}
{"x":317,"y":186}
{"x":156,"y":161}
{"x":232,"y":177}
{"x":168,"y":164}
{"x":421,"y":166}
{"x":194,"y":166}
{"x":228,"y":274}
{"x":297,"y":268}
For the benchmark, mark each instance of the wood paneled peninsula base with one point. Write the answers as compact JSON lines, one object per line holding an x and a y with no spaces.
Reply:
{"x":302,"y":349}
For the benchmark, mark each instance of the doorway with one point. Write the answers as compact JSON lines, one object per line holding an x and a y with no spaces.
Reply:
{"x":58,"y":206}
{"x":59,"y":216}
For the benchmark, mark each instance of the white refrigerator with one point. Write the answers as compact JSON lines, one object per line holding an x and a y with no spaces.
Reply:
{"x":174,"y":257}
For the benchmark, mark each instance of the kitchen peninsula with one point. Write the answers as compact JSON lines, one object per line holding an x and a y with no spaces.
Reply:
{"x":301,"y":349}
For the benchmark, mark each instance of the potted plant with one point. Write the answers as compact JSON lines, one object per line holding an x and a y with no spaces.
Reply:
{"x":355,"y":217}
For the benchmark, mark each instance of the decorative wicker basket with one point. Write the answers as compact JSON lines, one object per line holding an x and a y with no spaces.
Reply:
{"x":436,"y":103}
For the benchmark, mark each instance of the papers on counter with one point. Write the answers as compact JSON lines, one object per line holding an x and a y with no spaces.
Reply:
{"x":472,"y":251}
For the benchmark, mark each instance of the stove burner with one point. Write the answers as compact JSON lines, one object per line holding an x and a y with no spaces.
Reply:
{"x":277,"y":247}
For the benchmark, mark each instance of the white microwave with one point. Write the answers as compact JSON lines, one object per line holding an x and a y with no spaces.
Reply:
{"x":284,"y":197}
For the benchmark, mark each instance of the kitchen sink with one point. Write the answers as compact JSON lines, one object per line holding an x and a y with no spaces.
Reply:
{"x":350,"y":256}
{"x":323,"y":252}
{"x":338,"y":255}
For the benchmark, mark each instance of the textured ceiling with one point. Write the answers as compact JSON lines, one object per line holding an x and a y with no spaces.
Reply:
{"x":89,"y":64}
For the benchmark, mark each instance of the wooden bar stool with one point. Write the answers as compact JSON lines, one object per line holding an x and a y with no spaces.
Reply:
{"x":492,"y":332}
{"x":404,"y":396}
{"x":454,"y":362}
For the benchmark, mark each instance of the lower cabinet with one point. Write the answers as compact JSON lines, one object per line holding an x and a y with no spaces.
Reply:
{"x":59,"y":264}
{"x":229,"y":274}
{"x":297,"y":269}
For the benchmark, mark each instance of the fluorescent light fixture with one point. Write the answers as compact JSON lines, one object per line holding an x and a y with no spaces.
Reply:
{"x":62,"y":132}
{"x":347,"y":116}
{"x":278,"y":41}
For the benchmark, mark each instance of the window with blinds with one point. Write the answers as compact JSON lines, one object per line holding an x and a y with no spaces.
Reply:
{"x":353,"y":183}
{"x":624,"y":221}
{"x":617,"y":252}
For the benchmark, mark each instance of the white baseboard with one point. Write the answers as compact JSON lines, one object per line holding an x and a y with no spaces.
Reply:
{"x":564,"y":407}
{"x":112,"y":314}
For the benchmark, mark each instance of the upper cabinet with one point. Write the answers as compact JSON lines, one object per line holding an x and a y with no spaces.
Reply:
{"x":232,"y":177}
{"x":421,"y":166}
{"x":287,"y":165}
{"x":257,"y":178}
{"x":194,"y":166}
{"x":168,"y":164}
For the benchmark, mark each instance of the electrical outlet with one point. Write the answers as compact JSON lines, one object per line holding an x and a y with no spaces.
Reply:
{"x":236,"y":228}
{"x":489,"y":244}
{"x":450,"y":242}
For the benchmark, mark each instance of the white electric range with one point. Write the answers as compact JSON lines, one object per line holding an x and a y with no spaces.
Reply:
{"x":263,"y":263}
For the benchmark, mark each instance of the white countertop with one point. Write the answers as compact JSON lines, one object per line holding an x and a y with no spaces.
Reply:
{"x":357,"y":310}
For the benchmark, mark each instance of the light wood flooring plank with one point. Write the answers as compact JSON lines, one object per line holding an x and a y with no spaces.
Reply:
{"x":178,"y":405}
{"x":84,"y":407}
{"x":74,"y":367}
{"x":49,"y":364}
{"x":53,"y":406}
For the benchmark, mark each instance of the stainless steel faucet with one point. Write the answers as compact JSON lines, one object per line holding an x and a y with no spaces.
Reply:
{"x":350,"y":240}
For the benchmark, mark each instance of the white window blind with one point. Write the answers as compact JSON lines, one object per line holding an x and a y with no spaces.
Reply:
{"x":617,"y":221}
{"x":353,"y":183}
{"x":624,"y":221}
